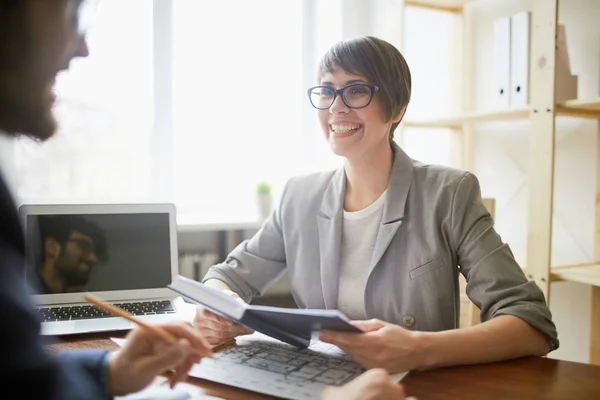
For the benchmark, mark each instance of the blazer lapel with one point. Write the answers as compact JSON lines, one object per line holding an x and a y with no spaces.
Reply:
{"x":329,"y":222}
{"x":393,"y":210}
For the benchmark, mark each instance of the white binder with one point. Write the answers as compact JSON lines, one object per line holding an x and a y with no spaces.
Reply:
{"x":512,"y":46}
{"x":519,"y":58}
{"x":501,"y":60}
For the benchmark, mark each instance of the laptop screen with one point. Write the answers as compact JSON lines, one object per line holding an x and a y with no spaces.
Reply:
{"x":98,"y":252}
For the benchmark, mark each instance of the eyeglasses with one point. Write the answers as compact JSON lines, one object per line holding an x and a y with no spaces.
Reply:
{"x":86,"y":246}
{"x":357,"y":95}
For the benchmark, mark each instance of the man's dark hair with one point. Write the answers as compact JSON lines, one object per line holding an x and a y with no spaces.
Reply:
{"x":60,"y":227}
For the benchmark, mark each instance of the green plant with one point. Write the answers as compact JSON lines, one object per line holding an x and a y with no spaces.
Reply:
{"x":263,"y":188}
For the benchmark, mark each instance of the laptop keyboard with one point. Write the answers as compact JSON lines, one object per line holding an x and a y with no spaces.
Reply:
{"x":71,"y":313}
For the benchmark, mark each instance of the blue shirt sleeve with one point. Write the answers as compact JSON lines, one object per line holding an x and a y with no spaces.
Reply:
{"x":26,"y":367}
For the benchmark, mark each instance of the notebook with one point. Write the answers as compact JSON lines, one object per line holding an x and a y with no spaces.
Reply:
{"x":125,"y":254}
{"x":293,"y":326}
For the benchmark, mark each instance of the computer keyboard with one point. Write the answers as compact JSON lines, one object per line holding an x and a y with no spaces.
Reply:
{"x":75,"y":312}
{"x":264,"y":365}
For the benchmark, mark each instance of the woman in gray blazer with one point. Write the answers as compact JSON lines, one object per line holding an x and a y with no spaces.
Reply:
{"x":384,"y":237}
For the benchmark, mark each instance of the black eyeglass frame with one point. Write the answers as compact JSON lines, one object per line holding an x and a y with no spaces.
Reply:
{"x":336,"y":92}
{"x":86,"y":246}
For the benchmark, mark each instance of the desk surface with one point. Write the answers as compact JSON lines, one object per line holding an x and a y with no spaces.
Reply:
{"x":526,"y":378}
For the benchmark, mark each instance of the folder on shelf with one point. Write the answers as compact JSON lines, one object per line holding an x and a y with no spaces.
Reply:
{"x":519,"y":59}
{"x":501,"y":52}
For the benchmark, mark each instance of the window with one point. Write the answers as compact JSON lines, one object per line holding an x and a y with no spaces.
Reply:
{"x":195,"y":102}
{"x":237,"y":101}
{"x":431,"y":81}
{"x":104,"y":111}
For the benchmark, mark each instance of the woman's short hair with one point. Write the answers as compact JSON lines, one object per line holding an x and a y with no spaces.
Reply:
{"x":380,"y":63}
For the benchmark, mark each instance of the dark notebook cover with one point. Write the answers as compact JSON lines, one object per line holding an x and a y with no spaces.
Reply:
{"x":293,"y":326}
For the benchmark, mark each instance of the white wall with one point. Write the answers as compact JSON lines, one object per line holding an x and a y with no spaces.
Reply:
{"x":502,"y":155}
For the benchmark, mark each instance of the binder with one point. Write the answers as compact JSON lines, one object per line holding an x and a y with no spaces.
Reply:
{"x":501,"y":52}
{"x":519,"y":58}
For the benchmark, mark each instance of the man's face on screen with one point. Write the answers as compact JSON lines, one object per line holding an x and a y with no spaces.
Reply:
{"x":77,"y":260}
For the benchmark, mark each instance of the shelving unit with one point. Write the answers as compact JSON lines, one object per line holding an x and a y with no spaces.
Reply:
{"x":541,"y":113}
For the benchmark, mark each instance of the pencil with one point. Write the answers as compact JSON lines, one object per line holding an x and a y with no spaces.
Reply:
{"x":222,"y":345}
{"x":156,"y":329}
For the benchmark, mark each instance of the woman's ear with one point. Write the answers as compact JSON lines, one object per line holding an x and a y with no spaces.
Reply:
{"x":398,"y":117}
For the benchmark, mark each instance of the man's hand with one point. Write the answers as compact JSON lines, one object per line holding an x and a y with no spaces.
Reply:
{"x":146,"y":355}
{"x":217,"y":329}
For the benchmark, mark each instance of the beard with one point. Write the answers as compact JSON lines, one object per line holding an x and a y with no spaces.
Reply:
{"x":26,"y":76}
{"x":74,"y":278}
{"x":26,"y":109}
{"x":71,"y":274}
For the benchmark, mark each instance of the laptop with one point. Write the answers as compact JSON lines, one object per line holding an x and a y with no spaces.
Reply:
{"x":125,"y":254}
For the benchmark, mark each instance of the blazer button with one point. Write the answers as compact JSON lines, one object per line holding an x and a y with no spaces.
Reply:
{"x":408,"y":320}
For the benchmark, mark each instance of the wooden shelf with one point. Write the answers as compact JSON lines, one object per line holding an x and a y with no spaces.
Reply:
{"x":441,"y":5}
{"x":590,"y":104}
{"x":571,"y":108}
{"x":588,"y":274}
{"x":580,"y":108}
{"x":458,"y":121}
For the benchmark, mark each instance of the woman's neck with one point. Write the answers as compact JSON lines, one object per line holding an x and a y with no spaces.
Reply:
{"x":367,"y":178}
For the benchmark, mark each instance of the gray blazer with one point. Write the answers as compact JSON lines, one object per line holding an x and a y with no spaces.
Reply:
{"x":434,"y":227}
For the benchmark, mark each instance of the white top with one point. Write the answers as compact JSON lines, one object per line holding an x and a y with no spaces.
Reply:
{"x":359,"y":232}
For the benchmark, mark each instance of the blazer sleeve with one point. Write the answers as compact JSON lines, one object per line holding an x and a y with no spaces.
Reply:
{"x":255,"y":263}
{"x":26,"y":368}
{"x":495,"y":282}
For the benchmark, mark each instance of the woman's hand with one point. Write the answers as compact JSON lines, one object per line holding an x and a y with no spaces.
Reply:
{"x":146,"y":355}
{"x":374,"y":384}
{"x":217,"y":329}
{"x":382,"y":345}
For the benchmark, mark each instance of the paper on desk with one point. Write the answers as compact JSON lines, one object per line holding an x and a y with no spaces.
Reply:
{"x":250,"y":366}
{"x":395,"y":377}
{"x":119,"y":341}
{"x":158,"y":390}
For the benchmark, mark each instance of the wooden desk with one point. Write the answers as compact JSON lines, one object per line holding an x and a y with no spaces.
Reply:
{"x":526,"y":378}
